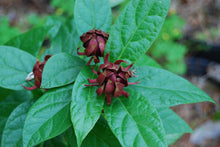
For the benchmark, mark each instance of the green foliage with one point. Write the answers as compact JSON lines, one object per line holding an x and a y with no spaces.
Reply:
{"x":15,"y":65}
{"x":12,"y":135}
{"x":68,"y":113}
{"x":61,"y":69}
{"x":168,"y":118}
{"x":35,"y":37}
{"x":136,"y":28}
{"x":6,"y":31}
{"x":86,"y":106}
{"x":158,"y":86}
{"x":138,"y":120}
{"x":94,"y":14}
{"x":48,"y":117}
{"x":168,"y":52}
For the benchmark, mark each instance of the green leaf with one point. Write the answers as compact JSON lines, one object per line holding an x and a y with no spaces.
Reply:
{"x":70,"y":137}
{"x":92,"y":14}
{"x":136,"y":28}
{"x":30,"y":41}
{"x":168,"y":117}
{"x":11,"y":101}
{"x":48,"y":117}
{"x":61,"y":69}
{"x":101,"y":135}
{"x":135,"y":121}
{"x":173,"y":124}
{"x":171,"y":138}
{"x":86,"y":105}
{"x":165,"y":89}
{"x":145,"y":60}
{"x":15,"y":65}
{"x":12,"y":134}
{"x":57,"y":141}
{"x":4,"y":93}
{"x":64,"y":41}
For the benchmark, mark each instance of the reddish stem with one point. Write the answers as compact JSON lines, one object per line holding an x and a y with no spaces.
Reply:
{"x":89,"y":61}
{"x":80,"y":53}
{"x":92,"y":81}
{"x":29,"y":88}
{"x":133,"y":83}
{"x":93,"y":70}
{"x":91,"y":85}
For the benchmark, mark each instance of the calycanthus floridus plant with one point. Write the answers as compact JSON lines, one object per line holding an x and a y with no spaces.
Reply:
{"x":95,"y":86}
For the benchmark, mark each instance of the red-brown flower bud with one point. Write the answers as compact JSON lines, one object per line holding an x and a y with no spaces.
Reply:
{"x":94,"y":43}
{"x":112,"y":79}
{"x":37,"y":71}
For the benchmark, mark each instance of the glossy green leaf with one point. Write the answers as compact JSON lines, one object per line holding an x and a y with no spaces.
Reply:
{"x":12,"y":134}
{"x":12,"y":101}
{"x":61,"y":69}
{"x":171,"y":138}
{"x":173,"y":124}
{"x":136,"y":28}
{"x":135,"y":121}
{"x":165,"y":89}
{"x":86,"y":105}
{"x":15,"y":65}
{"x":48,"y":117}
{"x":64,"y":41}
{"x":145,"y":60}
{"x":99,"y":136}
{"x":30,"y":41}
{"x":92,"y":14}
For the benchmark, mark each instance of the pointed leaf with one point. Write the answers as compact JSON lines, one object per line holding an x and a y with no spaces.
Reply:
{"x":86,"y":106}
{"x":92,"y":14}
{"x":12,"y":101}
{"x":171,"y":138}
{"x":15,"y":65}
{"x":30,"y":41}
{"x":136,"y":28}
{"x":173,"y":124}
{"x":48,"y":117}
{"x":168,"y":118}
{"x":135,"y":121}
{"x":12,"y":134}
{"x":60,"y":70}
{"x":100,"y":135}
{"x":164,"y":88}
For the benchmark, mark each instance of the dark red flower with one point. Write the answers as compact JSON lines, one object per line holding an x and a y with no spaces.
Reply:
{"x":37,"y":71}
{"x":94,"y":43}
{"x":112,"y":78}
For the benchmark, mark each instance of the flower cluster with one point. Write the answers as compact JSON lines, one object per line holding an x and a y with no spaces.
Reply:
{"x":112,"y":78}
{"x":37,"y":71}
{"x":94,"y":43}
